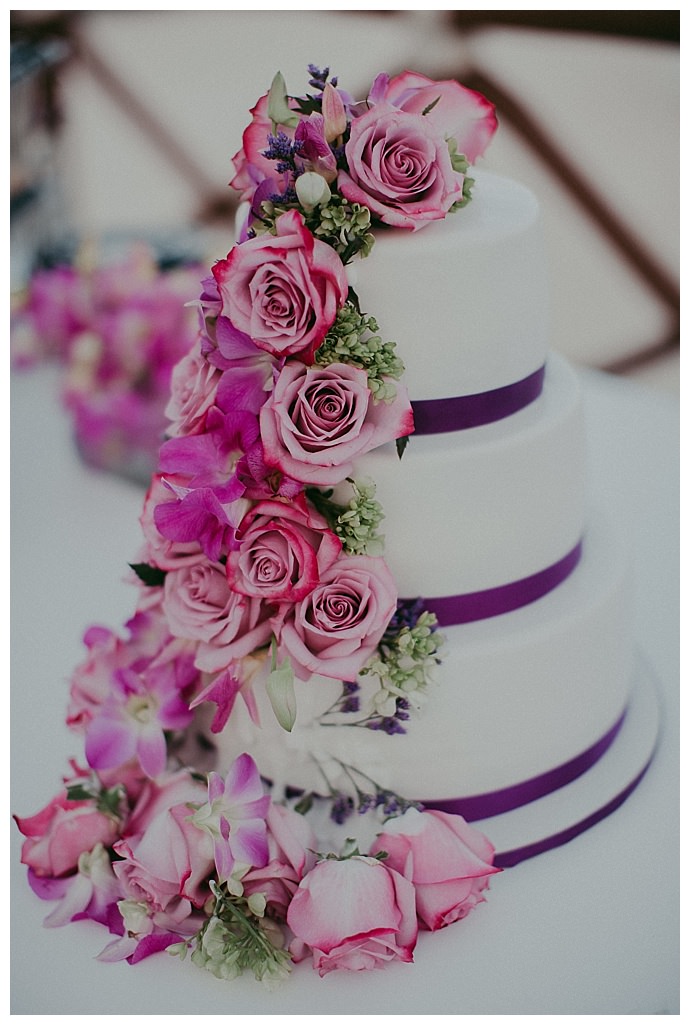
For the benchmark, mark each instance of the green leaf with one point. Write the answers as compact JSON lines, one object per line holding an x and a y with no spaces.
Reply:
{"x":304,"y":804}
{"x":78,"y":792}
{"x":401,"y":444}
{"x":280,"y":687}
{"x":152,"y":576}
{"x":431,"y":106}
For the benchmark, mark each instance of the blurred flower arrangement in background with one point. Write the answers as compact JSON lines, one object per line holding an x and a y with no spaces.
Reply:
{"x":117,"y":327}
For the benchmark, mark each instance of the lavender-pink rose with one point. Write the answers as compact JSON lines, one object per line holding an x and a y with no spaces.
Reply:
{"x":284,"y":548}
{"x":448,"y":861}
{"x":400,"y":168}
{"x":354,"y":914}
{"x":283,"y":291}
{"x":457,"y":112}
{"x":337,"y":627}
{"x":200,"y":606}
{"x":193,"y":391}
{"x":320,"y":418}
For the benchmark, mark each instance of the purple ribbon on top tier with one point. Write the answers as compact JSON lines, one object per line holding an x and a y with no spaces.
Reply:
{"x":438,"y":416}
{"x":454,"y":609}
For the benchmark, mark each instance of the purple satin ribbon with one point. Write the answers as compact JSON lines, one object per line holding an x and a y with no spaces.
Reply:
{"x":438,"y":416}
{"x":497,"y":802}
{"x":454,"y":609}
{"x":507,"y":859}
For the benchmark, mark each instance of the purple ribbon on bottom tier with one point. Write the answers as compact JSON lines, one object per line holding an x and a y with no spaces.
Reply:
{"x":497,"y":802}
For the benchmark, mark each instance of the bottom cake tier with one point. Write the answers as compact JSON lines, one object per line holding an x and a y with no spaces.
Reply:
{"x":522,"y":702}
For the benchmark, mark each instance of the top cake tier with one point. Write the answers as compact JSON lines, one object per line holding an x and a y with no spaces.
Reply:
{"x":465,"y":300}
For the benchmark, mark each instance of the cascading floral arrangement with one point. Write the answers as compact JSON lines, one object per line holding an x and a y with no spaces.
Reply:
{"x":255,"y":571}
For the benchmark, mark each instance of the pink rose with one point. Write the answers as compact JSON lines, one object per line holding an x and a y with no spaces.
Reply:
{"x":193,"y":392}
{"x":399,"y":167}
{"x":61,"y":832}
{"x":319,"y":419}
{"x":455,"y":111}
{"x":291,"y":843}
{"x":283,"y":550}
{"x":354,"y":914}
{"x":200,"y":606}
{"x":283,"y":291}
{"x":166,"y":857}
{"x":337,"y":627}
{"x":448,"y":861}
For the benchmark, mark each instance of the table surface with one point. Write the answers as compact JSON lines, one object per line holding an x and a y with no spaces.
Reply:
{"x":591,"y":927}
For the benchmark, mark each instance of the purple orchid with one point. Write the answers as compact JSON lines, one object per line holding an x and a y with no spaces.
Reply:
{"x":208,"y":460}
{"x":196,"y":516}
{"x":315,"y":149}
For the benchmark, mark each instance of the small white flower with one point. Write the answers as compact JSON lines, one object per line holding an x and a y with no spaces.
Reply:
{"x":312,"y":190}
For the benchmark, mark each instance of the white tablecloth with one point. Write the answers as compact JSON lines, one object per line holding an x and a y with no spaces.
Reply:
{"x":591,"y":927}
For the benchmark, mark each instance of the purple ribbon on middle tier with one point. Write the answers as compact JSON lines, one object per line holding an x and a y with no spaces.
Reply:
{"x":454,"y":609}
{"x":438,"y":416}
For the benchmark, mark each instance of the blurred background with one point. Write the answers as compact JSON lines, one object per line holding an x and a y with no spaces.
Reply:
{"x":123,"y":125}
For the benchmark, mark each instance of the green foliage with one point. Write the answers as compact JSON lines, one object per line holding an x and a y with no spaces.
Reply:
{"x":237,"y":938}
{"x":152,"y":576}
{"x":355,"y":523}
{"x":354,"y":339}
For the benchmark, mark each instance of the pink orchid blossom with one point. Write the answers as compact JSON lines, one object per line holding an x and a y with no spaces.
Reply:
{"x":235,"y":817}
{"x":159,"y":550}
{"x":291,"y":846}
{"x":88,"y":894}
{"x":223,"y":691}
{"x":146,"y":639}
{"x":143,"y":931}
{"x":263,"y":481}
{"x":141,"y":707}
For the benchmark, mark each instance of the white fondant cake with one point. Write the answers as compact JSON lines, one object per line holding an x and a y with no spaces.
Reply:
{"x":273,"y":621}
{"x":520,"y":693}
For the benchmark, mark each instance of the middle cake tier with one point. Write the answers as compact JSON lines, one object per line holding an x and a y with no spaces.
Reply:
{"x":470,"y":510}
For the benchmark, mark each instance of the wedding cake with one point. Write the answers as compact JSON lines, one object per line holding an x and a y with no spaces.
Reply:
{"x":373,"y":592}
{"x":487,"y":518}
